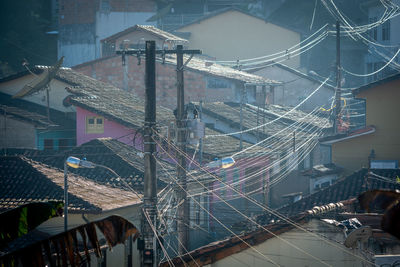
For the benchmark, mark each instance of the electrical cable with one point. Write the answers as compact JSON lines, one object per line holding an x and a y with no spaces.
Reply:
{"x":286,"y":219}
{"x":262,"y":125}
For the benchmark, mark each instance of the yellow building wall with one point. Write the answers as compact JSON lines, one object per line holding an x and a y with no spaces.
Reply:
{"x":297,"y":248}
{"x":383,"y":112}
{"x":234,"y":35}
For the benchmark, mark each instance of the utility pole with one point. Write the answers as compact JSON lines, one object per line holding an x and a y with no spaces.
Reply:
{"x":183,"y":210}
{"x":201,"y":139}
{"x":338,"y":79}
{"x":149,"y":255}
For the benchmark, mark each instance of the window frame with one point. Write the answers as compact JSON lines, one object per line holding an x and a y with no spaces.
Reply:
{"x":95,"y":127}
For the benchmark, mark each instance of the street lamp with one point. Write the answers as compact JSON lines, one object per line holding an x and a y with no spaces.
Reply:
{"x":221,"y":163}
{"x":76,"y":163}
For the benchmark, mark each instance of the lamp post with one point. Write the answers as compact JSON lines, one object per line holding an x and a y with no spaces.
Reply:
{"x":76,"y":163}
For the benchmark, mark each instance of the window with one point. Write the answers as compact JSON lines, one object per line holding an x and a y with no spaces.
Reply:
{"x":94,"y":125}
{"x":373,"y":33}
{"x":197,"y":210}
{"x":325,"y":184}
{"x":63,"y":144}
{"x":386,"y":31}
{"x":48,"y":144}
{"x":222,"y":191}
{"x":253,"y":180}
{"x":215,"y":83}
{"x":236,"y":176}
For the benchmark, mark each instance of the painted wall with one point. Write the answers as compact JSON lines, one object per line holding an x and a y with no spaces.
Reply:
{"x":111,"y":129}
{"x":131,"y":78}
{"x":16,"y":134}
{"x":234,"y":35}
{"x":382,"y":112}
{"x":57,"y":92}
{"x":376,"y":12}
{"x":248,"y":176}
{"x":286,"y":250}
{"x":295,"y":89}
{"x":83,"y":23}
{"x":56,"y":136}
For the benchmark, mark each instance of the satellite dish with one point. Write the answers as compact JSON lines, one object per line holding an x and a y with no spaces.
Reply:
{"x":360,"y":234}
{"x":41,"y":81}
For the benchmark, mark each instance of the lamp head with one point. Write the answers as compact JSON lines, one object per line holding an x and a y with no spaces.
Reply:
{"x":76,"y":163}
{"x":227,"y":162}
{"x":73,"y":162}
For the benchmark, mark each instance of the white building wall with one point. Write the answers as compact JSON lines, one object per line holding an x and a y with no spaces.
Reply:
{"x":57,"y":92}
{"x":109,"y":23}
{"x":75,"y":54}
{"x":389,"y":48}
{"x":295,"y":89}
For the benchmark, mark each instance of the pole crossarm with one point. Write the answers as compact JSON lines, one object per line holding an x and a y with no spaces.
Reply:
{"x":159,"y":51}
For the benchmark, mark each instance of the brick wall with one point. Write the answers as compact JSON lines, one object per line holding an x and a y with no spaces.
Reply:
{"x":84,"y":11}
{"x":77,"y":11}
{"x":133,"y":5}
{"x":131,"y":78}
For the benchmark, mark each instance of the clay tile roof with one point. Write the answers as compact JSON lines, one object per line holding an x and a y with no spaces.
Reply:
{"x":23,"y":181}
{"x":230,"y":113}
{"x":121,"y":158}
{"x":204,"y":66}
{"x":147,"y":28}
{"x":25,"y":115}
{"x":323,"y":169}
{"x":344,"y":189}
{"x":109,"y":101}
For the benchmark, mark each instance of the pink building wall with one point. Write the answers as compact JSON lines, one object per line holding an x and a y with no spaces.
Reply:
{"x":258,"y":163}
{"x":111,"y":129}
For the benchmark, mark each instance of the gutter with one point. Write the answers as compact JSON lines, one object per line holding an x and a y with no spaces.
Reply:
{"x":372,"y":130}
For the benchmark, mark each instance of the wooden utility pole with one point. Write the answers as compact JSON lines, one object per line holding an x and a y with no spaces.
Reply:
{"x":183,"y":209}
{"x":338,"y":79}
{"x":149,"y":222}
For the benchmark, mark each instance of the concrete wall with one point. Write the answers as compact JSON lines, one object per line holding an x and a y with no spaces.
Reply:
{"x":57,"y":92}
{"x":381,"y":111}
{"x":83,"y":23}
{"x":295,"y":89}
{"x":234,"y":35}
{"x":16,"y":134}
{"x":131,"y":78}
{"x":298,"y":248}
